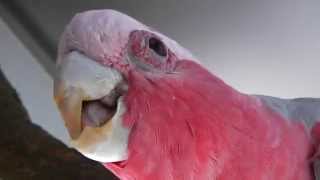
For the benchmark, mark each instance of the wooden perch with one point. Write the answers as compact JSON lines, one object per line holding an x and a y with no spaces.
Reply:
{"x":29,"y":152}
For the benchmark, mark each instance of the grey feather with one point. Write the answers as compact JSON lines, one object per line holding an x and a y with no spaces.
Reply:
{"x":306,"y":110}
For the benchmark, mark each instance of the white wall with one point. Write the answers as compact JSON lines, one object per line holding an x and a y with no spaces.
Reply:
{"x":33,"y":84}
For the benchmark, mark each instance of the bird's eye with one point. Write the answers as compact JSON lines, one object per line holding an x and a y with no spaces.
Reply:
{"x":157,"y":46}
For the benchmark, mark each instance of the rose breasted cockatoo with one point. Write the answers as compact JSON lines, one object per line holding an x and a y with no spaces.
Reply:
{"x":138,"y":102}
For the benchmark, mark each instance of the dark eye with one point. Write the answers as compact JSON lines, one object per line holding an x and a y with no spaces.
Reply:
{"x":157,"y":46}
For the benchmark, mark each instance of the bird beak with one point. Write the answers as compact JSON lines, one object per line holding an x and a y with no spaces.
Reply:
{"x":69,"y":101}
{"x":80,"y":80}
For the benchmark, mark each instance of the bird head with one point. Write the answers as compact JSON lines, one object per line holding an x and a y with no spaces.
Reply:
{"x":99,"y":52}
{"x":128,"y":93}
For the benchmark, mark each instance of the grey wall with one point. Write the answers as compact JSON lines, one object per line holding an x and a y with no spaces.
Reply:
{"x":33,"y":84}
{"x":258,"y":46}
{"x":267,"y":47}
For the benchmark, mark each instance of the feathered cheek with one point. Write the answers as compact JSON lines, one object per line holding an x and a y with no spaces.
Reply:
{"x":90,"y":99}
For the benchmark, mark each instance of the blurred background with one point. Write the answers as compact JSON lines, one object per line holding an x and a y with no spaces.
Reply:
{"x":269,"y":47}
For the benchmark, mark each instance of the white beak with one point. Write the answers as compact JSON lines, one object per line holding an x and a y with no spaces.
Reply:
{"x":82,"y":79}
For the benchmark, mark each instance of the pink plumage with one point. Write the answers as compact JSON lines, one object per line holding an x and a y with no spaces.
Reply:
{"x":190,"y":125}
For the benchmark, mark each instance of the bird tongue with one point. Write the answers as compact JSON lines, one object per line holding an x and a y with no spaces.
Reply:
{"x":96,"y":113}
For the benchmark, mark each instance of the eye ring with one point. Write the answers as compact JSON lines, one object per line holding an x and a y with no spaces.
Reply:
{"x":157,"y":46}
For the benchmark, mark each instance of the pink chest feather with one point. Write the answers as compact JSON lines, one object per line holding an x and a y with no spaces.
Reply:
{"x":189,"y":125}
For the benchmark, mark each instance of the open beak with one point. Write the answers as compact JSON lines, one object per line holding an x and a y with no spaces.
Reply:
{"x":90,"y":99}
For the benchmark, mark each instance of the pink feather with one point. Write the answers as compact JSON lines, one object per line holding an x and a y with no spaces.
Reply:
{"x":191,"y":125}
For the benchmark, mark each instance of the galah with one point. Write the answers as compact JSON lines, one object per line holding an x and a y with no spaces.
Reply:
{"x":144,"y":107}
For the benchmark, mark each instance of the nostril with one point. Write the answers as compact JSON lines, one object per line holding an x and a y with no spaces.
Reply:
{"x":157,"y":46}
